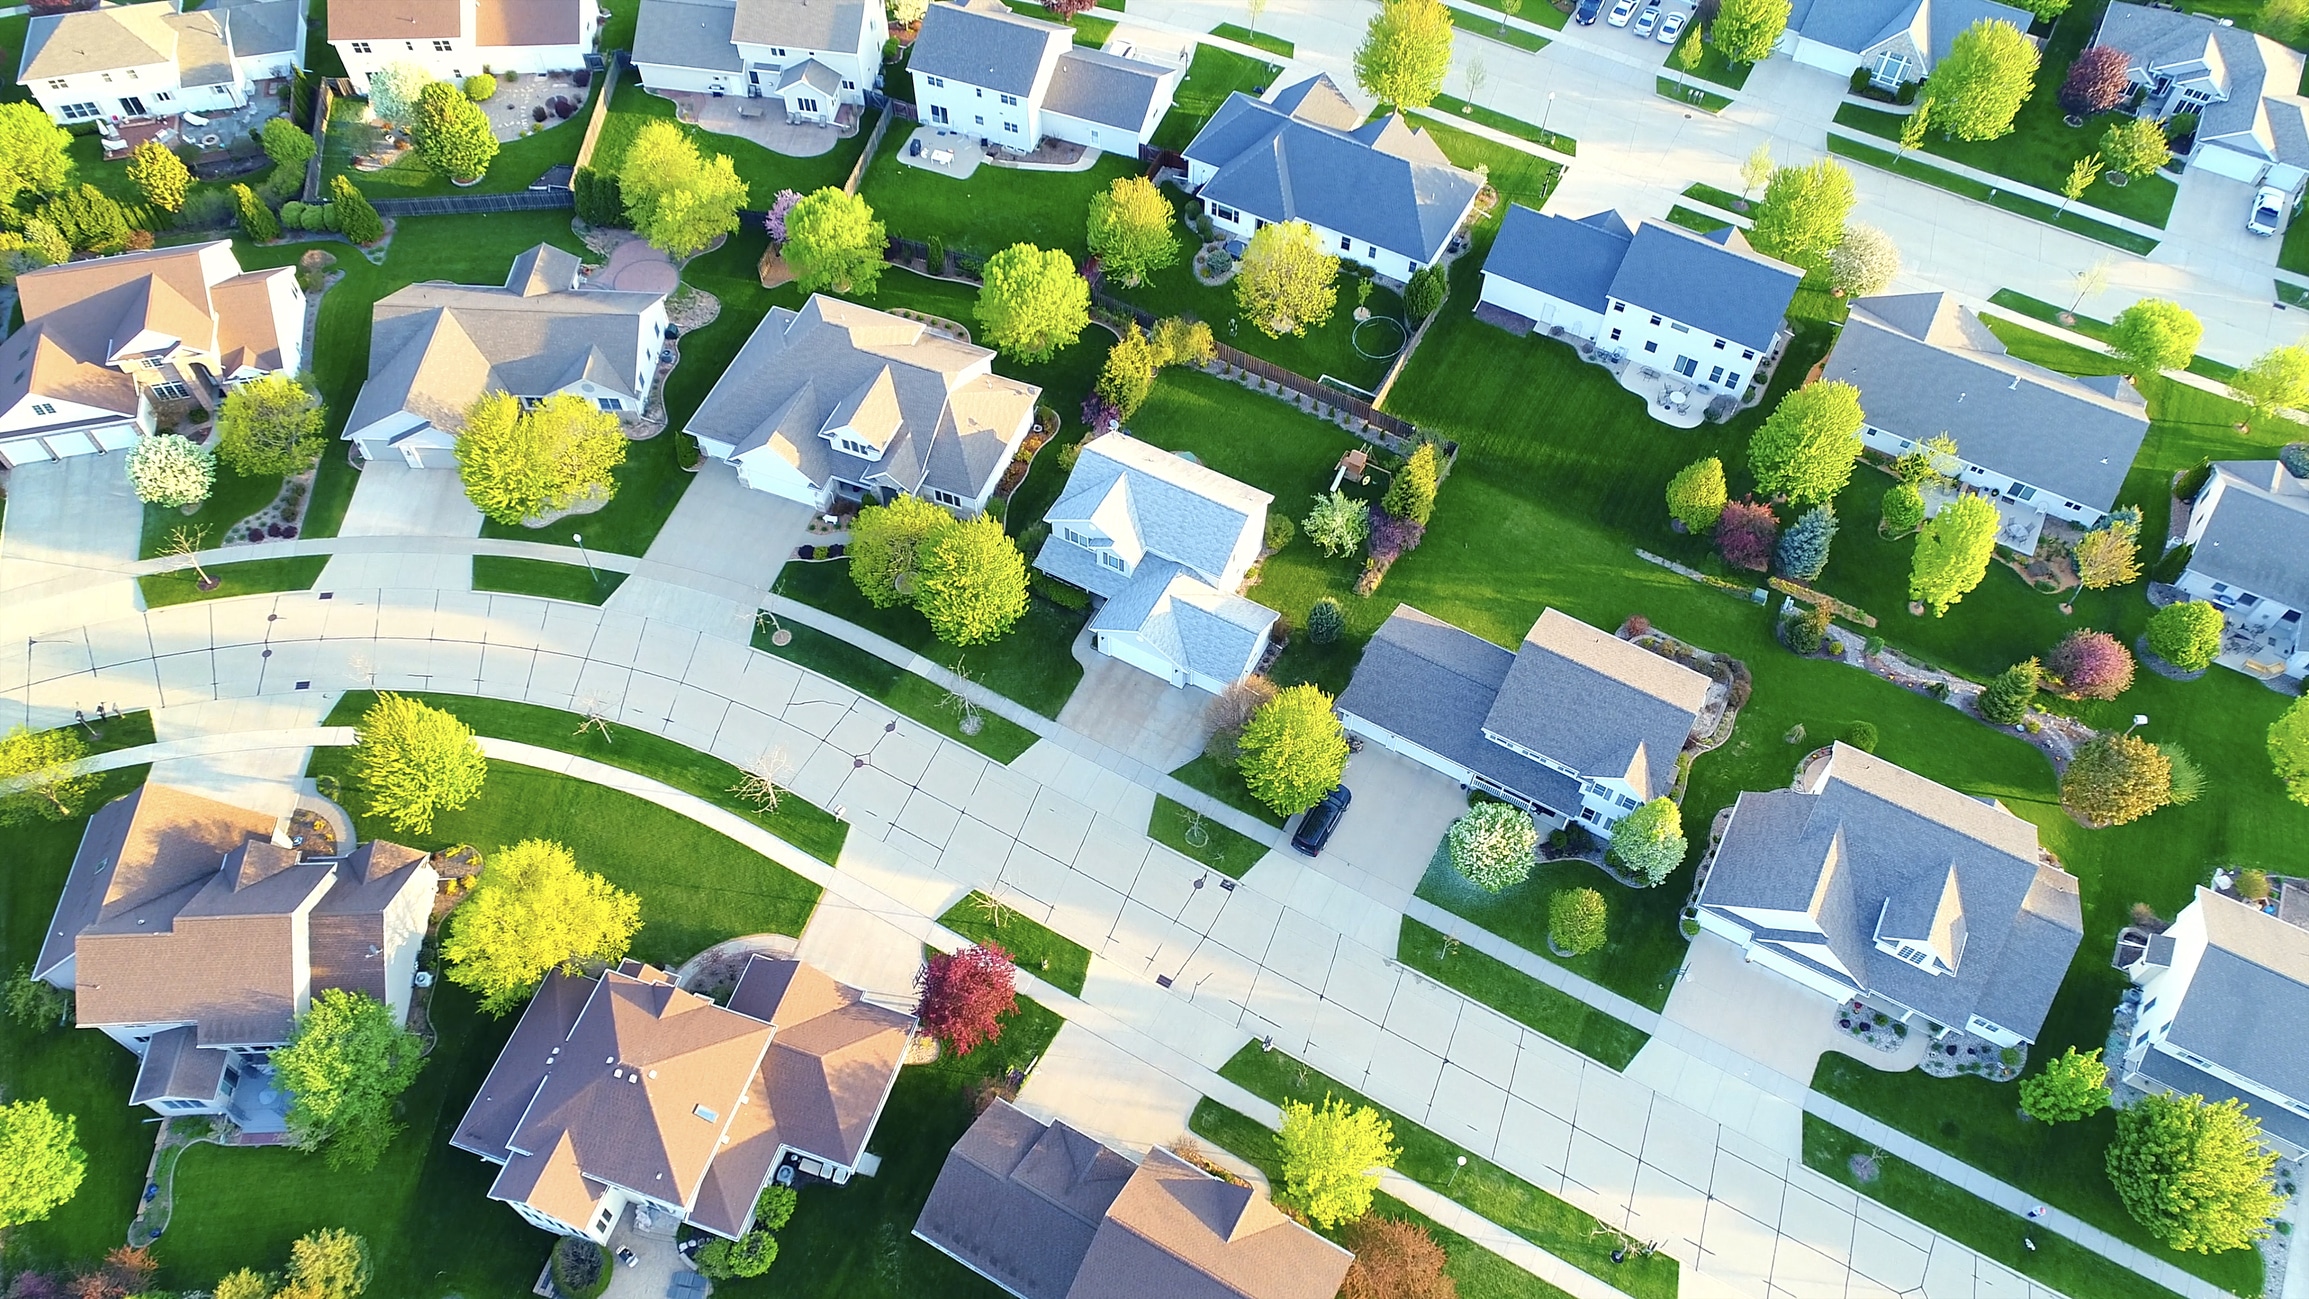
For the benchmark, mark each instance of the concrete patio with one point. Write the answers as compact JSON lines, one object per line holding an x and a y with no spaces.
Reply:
{"x":1667,"y":399}
{"x":949,"y":153}
{"x":763,"y":121}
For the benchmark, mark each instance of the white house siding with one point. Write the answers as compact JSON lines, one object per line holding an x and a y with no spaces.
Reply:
{"x":2222,"y":160}
{"x":764,"y":471}
{"x":858,"y":67}
{"x":1090,"y":135}
{"x":1545,"y":308}
{"x":1130,"y":649}
{"x":1718,"y":364}
{"x":1986,"y":479}
{"x":977,"y":111}
{"x":1390,"y":265}
{"x":459,"y":61}
{"x":404,"y":928}
{"x":1817,"y":54}
{"x":702,"y":81}
{"x":93,"y":95}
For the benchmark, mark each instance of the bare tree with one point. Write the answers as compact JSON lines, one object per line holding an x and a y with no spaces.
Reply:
{"x":959,"y":702}
{"x":184,"y":544}
{"x":2090,"y":282}
{"x":1476,"y":74}
{"x":762,"y":782}
{"x":594,"y":720}
{"x":1258,"y":9}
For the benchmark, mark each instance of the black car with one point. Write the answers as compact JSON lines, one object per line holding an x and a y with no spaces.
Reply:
{"x":1316,"y":826}
{"x":1588,"y":9}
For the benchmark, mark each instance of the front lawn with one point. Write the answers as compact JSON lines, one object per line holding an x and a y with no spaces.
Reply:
{"x":1447,"y":105}
{"x":1257,"y":40}
{"x":1226,"y":785}
{"x":995,"y":208}
{"x":1215,"y":74}
{"x":2099,"y":330}
{"x":541,"y":577}
{"x":2072,"y":220}
{"x":1638,"y":959}
{"x":249,"y":577}
{"x":1039,"y":950}
{"x":1535,"y":1005}
{"x":876,"y":677}
{"x":2035,"y":154}
{"x":233,"y":498}
{"x":647,"y":487}
{"x":1229,"y":852}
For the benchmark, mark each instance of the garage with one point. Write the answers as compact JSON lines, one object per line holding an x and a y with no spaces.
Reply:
{"x":2233,"y":163}
{"x":119,"y":437}
{"x":24,"y":451}
{"x":1138,"y":656}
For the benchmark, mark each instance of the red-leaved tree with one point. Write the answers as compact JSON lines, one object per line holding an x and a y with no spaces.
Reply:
{"x":965,"y":995}
{"x":126,"y":1271}
{"x":1745,"y":533}
{"x":1069,"y":8}
{"x":2091,"y":665}
{"x":2097,"y":82}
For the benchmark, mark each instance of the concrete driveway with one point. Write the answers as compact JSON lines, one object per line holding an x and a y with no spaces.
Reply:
{"x":67,"y":520}
{"x":717,"y":554}
{"x":2207,"y":233}
{"x":393,"y":500}
{"x":1383,"y":844}
{"x":1136,"y":712}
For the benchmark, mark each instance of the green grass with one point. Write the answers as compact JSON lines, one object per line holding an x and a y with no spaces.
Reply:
{"x":1214,"y":74}
{"x":796,"y":820}
{"x":1715,"y":67}
{"x":1541,"y":14}
{"x":2054,"y":1261}
{"x":1229,"y":852}
{"x":1225,"y":785}
{"x":764,"y":172}
{"x":995,"y":208}
{"x":2035,"y":154}
{"x":1520,"y":997}
{"x":116,"y":732}
{"x":2291,"y":294}
{"x":1089,"y":31}
{"x":1256,"y":40}
{"x":2098,"y":330}
{"x":1482,"y":1186}
{"x":1691,"y":219}
{"x":1038,"y":949}
{"x":1714,"y":197}
{"x":518,"y":163}
{"x":1448,"y":106}
{"x":249,"y":577}
{"x":1915,"y":169}
{"x":876,"y":677}
{"x":233,"y":498}
{"x":545,"y":578}
{"x":2294,"y":254}
{"x":648,"y":485}
{"x":1499,"y":31}
{"x":1683,"y":92}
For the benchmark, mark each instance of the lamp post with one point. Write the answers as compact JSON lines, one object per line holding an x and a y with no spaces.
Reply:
{"x":1455,"y":1173}
{"x":1546,"y":112}
{"x":579,"y":538}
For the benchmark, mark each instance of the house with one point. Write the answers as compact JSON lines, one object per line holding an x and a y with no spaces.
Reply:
{"x":1046,"y":1212}
{"x":2042,"y":442}
{"x":1164,"y":543}
{"x":626,"y":1090}
{"x":1708,"y":307}
{"x":1868,"y":881}
{"x":2249,"y":533}
{"x":147,"y":60}
{"x":2251,"y":123}
{"x":1379,"y":192}
{"x":105,"y":338}
{"x":193,"y":933}
{"x":1573,"y":725}
{"x":435,"y":347}
{"x":1898,"y":41}
{"x":2252,"y":969}
{"x":842,"y":400}
{"x":816,"y":58}
{"x":453,"y":39}
{"x":982,"y":70}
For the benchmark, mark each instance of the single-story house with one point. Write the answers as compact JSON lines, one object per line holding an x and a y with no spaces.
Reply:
{"x":453,"y":39}
{"x":2252,"y":124}
{"x":983,"y":70}
{"x":132,"y":61}
{"x":2249,"y":537}
{"x":1896,"y":40}
{"x":812,"y":57}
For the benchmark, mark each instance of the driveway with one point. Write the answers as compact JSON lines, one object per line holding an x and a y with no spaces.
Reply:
{"x":65,"y":519}
{"x":393,"y":500}
{"x":1366,"y":874}
{"x":2207,"y":234}
{"x":1136,"y":712}
{"x":712,"y":562}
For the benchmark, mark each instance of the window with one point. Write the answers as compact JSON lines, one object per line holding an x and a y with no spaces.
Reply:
{"x":179,"y":1106}
{"x":805,"y":104}
{"x":59,"y":84}
{"x":1719,"y":345}
{"x":777,"y":51}
{"x":1075,"y":537}
{"x":936,"y":83}
{"x":1747,"y":355}
{"x":1651,"y":346}
{"x":1225,"y":213}
{"x":609,"y":403}
{"x":1346,"y":245}
{"x":1371,"y":250}
{"x":108,"y":76}
{"x":1686,"y":366}
{"x":1615,"y":336}
{"x":360,"y":47}
{"x":1679,"y":327}
{"x":938,"y":114}
{"x":848,"y":84}
{"x":979,"y":91}
{"x":132,"y":74}
{"x":1732,"y":380}
{"x":43,"y":408}
{"x":149,"y":363}
{"x":1011,"y":127}
{"x":945,"y":498}
{"x":441,"y":47}
{"x":1655,"y":320}
{"x":163,"y":96}
{"x":171,"y":391}
{"x":1619,"y":306}
{"x":1716,"y":375}
{"x":981,"y":119}
{"x":1112,"y":560}
{"x":1011,"y":100}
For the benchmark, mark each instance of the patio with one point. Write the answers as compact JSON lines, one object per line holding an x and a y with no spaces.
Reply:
{"x":644,"y":1261}
{"x":511,"y":112}
{"x":762,"y":121}
{"x":949,"y":153}
{"x":2019,"y":524}
{"x":213,"y":134}
{"x":2260,"y":646}
{"x":1667,"y":399}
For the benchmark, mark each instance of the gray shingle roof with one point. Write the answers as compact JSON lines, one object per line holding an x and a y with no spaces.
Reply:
{"x":984,"y":44}
{"x":1926,"y":366}
{"x":1192,"y":623}
{"x":1104,"y":88}
{"x":1727,"y":288}
{"x":817,"y":76}
{"x":175,"y":1067}
{"x":1146,"y":500}
{"x":2179,"y":1076}
{"x":800,"y":24}
{"x":1020,"y":1202}
{"x":687,"y":34}
{"x":2253,"y":116}
{"x":1571,"y":260}
{"x":1600,"y":705}
{"x":2258,"y":537}
{"x":1861,"y":25}
{"x":262,"y":27}
{"x":2254,"y":974}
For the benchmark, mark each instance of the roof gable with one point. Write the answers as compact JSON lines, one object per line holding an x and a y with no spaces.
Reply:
{"x":1725,"y":288}
{"x":985,"y":44}
{"x":1574,"y":261}
{"x":1602,"y":706}
{"x":2256,"y":537}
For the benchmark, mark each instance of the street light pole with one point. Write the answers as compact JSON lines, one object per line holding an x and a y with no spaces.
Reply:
{"x":1547,"y":112}
{"x":579,"y":538}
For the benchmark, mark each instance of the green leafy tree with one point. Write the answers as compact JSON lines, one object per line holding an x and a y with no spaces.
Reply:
{"x":348,"y":1060}
{"x":834,"y":241}
{"x":88,"y":218}
{"x":2116,"y":779}
{"x":160,"y":175}
{"x":1132,"y":229}
{"x":520,"y":464}
{"x":2068,"y":1088}
{"x":171,"y":470}
{"x":1424,"y":293}
{"x":1179,"y":341}
{"x":676,"y":198}
{"x":1952,"y":553}
{"x":1288,"y":283}
{"x":395,"y":91}
{"x":1650,"y":840}
{"x":971,"y":584}
{"x":2136,"y":146}
{"x":1293,"y":750}
{"x":597,"y":197}
{"x":2153,"y":335}
{"x":1332,"y":1156}
{"x":749,"y":1255}
{"x":1696,"y":495}
{"x":1129,"y":373}
{"x":1979,"y":86}
{"x":2081,"y":175}
{"x":288,"y":147}
{"x":414,"y":760}
{"x":534,"y":912}
{"x":2187,"y":634}
{"x":357,"y":218}
{"x":1412,"y":494}
{"x":331,"y":1263}
{"x":1756,"y":169}
{"x":2045,"y":9}
{"x":40,"y":1149}
{"x":2289,"y":749}
{"x":1801,"y":217}
{"x":2109,"y":556}
{"x":453,"y":135}
{"x":1033,"y":304}
{"x":1806,"y":450}
{"x":37,"y":768}
{"x":1325,"y":620}
{"x":2277,"y":380}
{"x":1338,"y":524}
{"x":257,"y":220}
{"x":33,"y":153}
{"x":1492,"y":845}
{"x":247,"y":1283}
{"x":886,"y":543}
{"x":1746,"y":30}
{"x":35,"y":1004}
{"x":1903,"y":510}
{"x":39,"y":244}
{"x":2195,"y":1174}
{"x":1915,"y":125}
{"x":1405,"y":53}
{"x":2011,"y":693}
{"x":1576,"y":920}
{"x":2286,"y":21}
{"x":269,"y":426}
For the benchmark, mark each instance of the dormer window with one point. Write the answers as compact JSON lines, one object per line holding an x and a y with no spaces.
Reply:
{"x":855,"y":447}
{"x":43,"y":408}
{"x":1112,"y":560}
{"x":1070,"y":534}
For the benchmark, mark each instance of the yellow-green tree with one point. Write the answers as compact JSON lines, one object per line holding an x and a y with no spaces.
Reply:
{"x":834,"y":241}
{"x":1332,"y":1156}
{"x":270,"y":426}
{"x":2195,"y":1173}
{"x":414,"y":760}
{"x":1405,"y":53}
{"x":41,"y":1151}
{"x":159,"y":175}
{"x":1133,"y":230}
{"x":886,"y":548}
{"x":1033,"y":304}
{"x":972,"y":581}
{"x":518,"y":464}
{"x":1293,"y":750}
{"x":1288,"y":283}
{"x":678,"y":199}
{"x":534,"y":912}
{"x":40,"y":773}
{"x":1952,"y":553}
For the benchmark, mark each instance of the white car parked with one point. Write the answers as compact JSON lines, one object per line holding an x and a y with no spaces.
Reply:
{"x":1621,"y":12}
{"x":1671,"y":27}
{"x":2269,"y":205}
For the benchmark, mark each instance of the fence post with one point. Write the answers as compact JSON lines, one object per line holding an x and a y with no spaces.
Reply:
{"x":866,"y":155}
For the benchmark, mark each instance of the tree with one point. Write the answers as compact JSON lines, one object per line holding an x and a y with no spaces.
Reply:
{"x":2045,"y":9}
{"x":2283,"y":20}
{"x":1803,"y":549}
{"x":1806,"y":450}
{"x":1952,"y":552}
{"x":1332,"y":1156}
{"x":2136,"y":146}
{"x":1865,"y":263}
{"x":1575,"y":921}
{"x":1033,"y":303}
{"x":1395,"y":1259}
{"x":1696,"y":495}
{"x":1745,"y":31}
{"x":1492,"y":845}
{"x":35,"y":1004}
{"x":171,"y":470}
{"x":348,"y":1059}
{"x":2289,"y":749}
{"x":2091,"y":665}
{"x":1412,"y":494}
{"x":88,"y":219}
{"x":2277,"y":380}
{"x":2109,"y":556}
{"x":288,"y":147}
{"x":534,"y":912}
{"x":2116,"y":779}
{"x":2081,"y":175}
{"x":1980,"y":84}
{"x":1179,"y":341}
{"x":2011,"y":693}
{"x":38,"y":768}
{"x":1129,"y":372}
{"x":38,"y":244}
{"x":1405,"y":53}
{"x":600,"y":202}
{"x":1293,"y":750}
{"x":1903,"y":510}
{"x":257,"y":220}
{"x":160,"y":175}
{"x":2194,"y":1173}
{"x":33,"y":152}
{"x":971,"y":583}
{"x":886,"y":548}
{"x":1650,"y":840}
{"x":1756,"y":170}
{"x":270,"y":426}
{"x":395,"y":90}
{"x":331,"y":1263}
{"x":413,"y":760}
{"x":45,"y":1163}
{"x":2154,"y":335}
{"x":966,"y":994}
{"x":749,"y":1255}
{"x":2070,"y":1087}
{"x":2187,"y":634}
{"x":1914,"y":126}
{"x":2097,"y":81}
{"x":1423,"y":294}
{"x":247,"y":1283}
{"x":1133,"y":230}
{"x":451,"y":134}
{"x":834,"y":241}
{"x":357,"y":218}
{"x":1287,"y":283}
{"x":1688,"y":53}
{"x":677,"y":198}
{"x":1325,"y":620}
{"x":1338,"y":524}
{"x":1801,"y":216}
{"x":520,"y":464}
{"x":1745,"y":532}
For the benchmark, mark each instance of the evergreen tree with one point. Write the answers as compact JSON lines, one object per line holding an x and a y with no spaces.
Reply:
{"x":1412,"y":494}
{"x":2008,"y":697}
{"x":1803,"y":550}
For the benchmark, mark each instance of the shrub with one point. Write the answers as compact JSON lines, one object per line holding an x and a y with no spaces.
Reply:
{"x":1903,"y":509}
{"x":1803,"y":549}
{"x":480,"y":87}
{"x":1060,"y":593}
{"x":2188,"y":777}
{"x":1280,"y":530}
{"x":171,"y":471}
{"x":1808,"y":630}
{"x":2008,"y":697}
{"x":1395,"y":1259}
{"x":2253,"y":885}
{"x":580,"y":1268}
{"x":1338,"y":524}
{"x":1650,"y":840}
{"x":2091,"y":665}
{"x":1745,"y":533}
{"x":749,"y":1255}
{"x":1412,"y":494}
{"x":1696,"y":495}
{"x":1492,"y":845}
{"x":2116,"y":779}
{"x":1325,"y":621}
{"x":1861,"y":736}
{"x":1575,"y":920}
{"x":2187,"y":634}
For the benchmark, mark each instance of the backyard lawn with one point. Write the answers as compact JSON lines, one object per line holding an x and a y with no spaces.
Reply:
{"x":993,"y":209}
{"x":764,"y":172}
{"x":519,"y":162}
{"x":1215,"y":74}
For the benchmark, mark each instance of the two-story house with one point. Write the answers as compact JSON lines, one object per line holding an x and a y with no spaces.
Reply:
{"x":124,"y":62}
{"x":2212,"y":986}
{"x":1165,"y":545}
{"x":2249,"y":537}
{"x":105,"y":338}
{"x":839,"y":400}
{"x":1865,"y":880}
{"x":1896,"y":40}
{"x":982,"y":70}
{"x":2047,"y":444}
{"x":453,"y":39}
{"x":624,"y":1090}
{"x":1706,"y":307}
{"x":434,"y":348}
{"x":814,"y":57}
{"x":1380,"y":193}
{"x":2252,"y":125}
{"x":1574,"y":725}
{"x":192,"y":933}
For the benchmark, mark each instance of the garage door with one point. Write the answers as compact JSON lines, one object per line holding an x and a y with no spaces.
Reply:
{"x":24,"y":451}
{"x":65,"y":445}
{"x":2232,"y":163}
{"x":120,"y":437}
{"x":1138,"y":656}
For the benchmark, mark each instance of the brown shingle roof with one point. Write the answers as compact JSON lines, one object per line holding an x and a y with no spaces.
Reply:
{"x":1020,"y":1203}
{"x":1178,"y":1232}
{"x":528,"y":22}
{"x":395,"y":20}
{"x":833,"y":1060}
{"x":144,"y":846}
